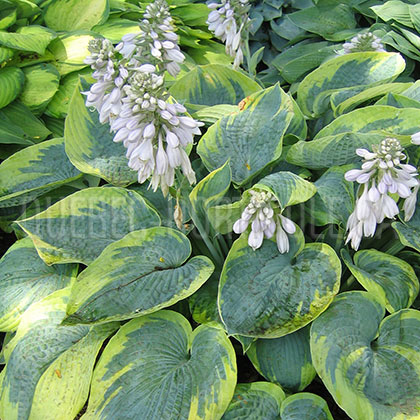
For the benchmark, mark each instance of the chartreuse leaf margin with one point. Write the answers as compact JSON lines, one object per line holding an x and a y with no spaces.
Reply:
{"x":157,"y":368}
{"x":51,"y":381}
{"x":141,"y":273}
{"x":369,"y":364}
{"x":265,"y":294}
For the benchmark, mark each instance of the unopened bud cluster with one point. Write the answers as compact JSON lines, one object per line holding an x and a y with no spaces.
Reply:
{"x":129,"y":94}
{"x":384,"y":179}
{"x":229,"y":22}
{"x":264,"y":215}
{"x":364,"y":42}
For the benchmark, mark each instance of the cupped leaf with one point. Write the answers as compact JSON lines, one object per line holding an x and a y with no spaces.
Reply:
{"x":11,"y":84}
{"x":305,"y":406}
{"x":334,"y":198}
{"x":336,"y":143}
{"x":59,"y":104}
{"x":285,"y":361}
{"x":256,"y":400}
{"x":51,"y":380}
{"x":156,"y":368}
{"x":25,"y":279}
{"x":79,"y":227}
{"x":90,"y":145}
{"x":390,"y":279}
{"x":266,"y":294}
{"x":33,"y":171}
{"x":70,"y":50}
{"x":250,"y":138}
{"x":356,"y":69}
{"x":371,"y":367}
{"x":409,"y":232}
{"x":30,"y":38}
{"x":213,"y":84}
{"x":71,"y":15}
{"x":287,"y":187}
{"x":209,"y":191}
{"x":41,"y":84}
{"x":143,"y":272}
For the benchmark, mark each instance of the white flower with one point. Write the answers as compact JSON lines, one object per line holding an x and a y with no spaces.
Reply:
{"x":382,"y":174}
{"x":364,"y":42}
{"x":264,"y":215}
{"x":156,"y":42}
{"x":415,"y":138}
{"x":229,"y":22}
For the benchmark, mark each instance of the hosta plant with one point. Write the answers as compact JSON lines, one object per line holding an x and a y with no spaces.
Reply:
{"x":209,"y":210}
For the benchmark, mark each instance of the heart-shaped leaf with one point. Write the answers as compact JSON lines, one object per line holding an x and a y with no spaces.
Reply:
{"x":251,"y":138}
{"x":90,"y":146}
{"x":285,"y":361}
{"x":156,"y":368}
{"x":11,"y":83}
{"x":369,"y":365}
{"x":49,"y":366}
{"x":390,"y":279}
{"x":79,"y":227}
{"x":33,"y":171}
{"x":25,"y":279}
{"x":141,"y":273}
{"x":349,"y":70}
{"x":266,"y":294}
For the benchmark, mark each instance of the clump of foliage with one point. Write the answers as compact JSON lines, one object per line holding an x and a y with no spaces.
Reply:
{"x":187,"y":238}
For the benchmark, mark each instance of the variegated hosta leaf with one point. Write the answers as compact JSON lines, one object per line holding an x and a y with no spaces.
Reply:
{"x":266,"y":294}
{"x":79,"y":227}
{"x":369,"y":365}
{"x":336,"y":143}
{"x":285,"y":361}
{"x":257,"y":401}
{"x":287,"y":187}
{"x":156,"y":368}
{"x":11,"y":84}
{"x":208,"y":191}
{"x":346,"y":100}
{"x":213,"y":84}
{"x":203,"y":303}
{"x":334,"y":198}
{"x":305,"y":406}
{"x":32,"y":38}
{"x":409,"y":232}
{"x":390,"y":279}
{"x":70,"y":50}
{"x":33,"y":171}
{"x":49,"y":366}
{"x":25,"y":279}
{"x":365,"y":68}
{"x":71,"y":15}
{"x":250,"y":138}
{"x":41,"y":84}
{"x":141,"y":273}
{"x":90,"y":147}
